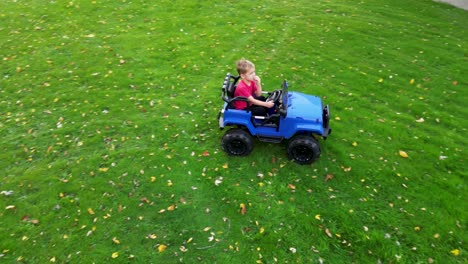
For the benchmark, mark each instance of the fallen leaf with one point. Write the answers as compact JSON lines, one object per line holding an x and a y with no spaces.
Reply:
{"x":328,"y":233}
{"x":171,"y":208}
{"x":218,"y":181}
{"x":206,"y":154}
{"x":115,"y":255}
{"x":49,"y":149}
{"x":90,"y":211}
{"x":455,"y":252}
{"x":115,"y":240}
{"x":161,"y":248}
{"x":243,"y":209}
{"x":317,"y":217}
{"x":291,"y":186}
{"x":403,"y":154}
{"x":328,"y":177}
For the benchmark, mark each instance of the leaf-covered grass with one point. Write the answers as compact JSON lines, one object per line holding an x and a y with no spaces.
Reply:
{"x":110,"y":147}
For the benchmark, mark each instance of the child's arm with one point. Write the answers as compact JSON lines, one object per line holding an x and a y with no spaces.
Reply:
{"x":254,"y":101}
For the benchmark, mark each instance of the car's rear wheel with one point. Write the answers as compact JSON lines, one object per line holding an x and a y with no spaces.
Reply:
{"x":237,"y":142}
{"x":303,"y":149}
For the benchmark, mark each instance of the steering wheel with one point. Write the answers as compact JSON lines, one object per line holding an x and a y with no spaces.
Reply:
{"x":274,"y":96}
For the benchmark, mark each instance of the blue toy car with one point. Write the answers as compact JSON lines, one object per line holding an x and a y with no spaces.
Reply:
{"x":299,"y":118}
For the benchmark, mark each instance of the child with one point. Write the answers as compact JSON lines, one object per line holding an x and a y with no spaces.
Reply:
{"x":250,"y":86}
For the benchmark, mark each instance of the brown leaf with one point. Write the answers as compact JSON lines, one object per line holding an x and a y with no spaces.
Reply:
{"x":328,"y":177}
{"x":291,"y":186}
{"x":243,"y":209}
{"x":328,"y":233}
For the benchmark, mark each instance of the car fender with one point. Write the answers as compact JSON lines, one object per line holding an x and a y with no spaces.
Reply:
{"x":239,"y":118}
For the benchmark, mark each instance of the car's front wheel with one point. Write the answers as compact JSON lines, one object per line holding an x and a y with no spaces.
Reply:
{"x":303,"y":149}
{"x":237,"y":142}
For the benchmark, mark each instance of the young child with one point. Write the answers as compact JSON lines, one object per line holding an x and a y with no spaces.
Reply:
{"x":250,"y":86}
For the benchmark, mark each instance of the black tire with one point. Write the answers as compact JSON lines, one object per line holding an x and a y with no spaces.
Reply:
{"x":303,"y":149}
{"x":237,"y":142}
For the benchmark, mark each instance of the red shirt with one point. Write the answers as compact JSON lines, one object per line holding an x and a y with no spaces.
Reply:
{"x":244,"y":90}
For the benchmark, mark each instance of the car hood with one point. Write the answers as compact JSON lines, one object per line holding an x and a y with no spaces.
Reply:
{"x":304,"y":106}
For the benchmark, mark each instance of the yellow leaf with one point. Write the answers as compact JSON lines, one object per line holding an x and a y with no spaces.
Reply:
{"x":171,"y":208}
{"x":225,"y":166}
{"x":90,"y":211}
{"x":262,"y":230}
{"x":161,"y":248}
{"x":103,"y":169}
{"x":115,"y":240}
{"x":317,"y":217}
{"x":52,"y":259}
{"x":380,"y":80}
{"x":115,"y":255}
{"x":455,"y":252}
{"x":152,"y":236}
{"x":355,"y":144}
{"x":403,"y":154}
{"x":411,"y":81}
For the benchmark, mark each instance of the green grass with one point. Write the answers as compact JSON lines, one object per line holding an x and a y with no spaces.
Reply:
{"x":111,"y":148}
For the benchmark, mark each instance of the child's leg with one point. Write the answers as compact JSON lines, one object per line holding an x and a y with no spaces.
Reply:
{"x":258,"y":110}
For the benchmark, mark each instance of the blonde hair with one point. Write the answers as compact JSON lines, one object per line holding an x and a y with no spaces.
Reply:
{"x":243,"y":66}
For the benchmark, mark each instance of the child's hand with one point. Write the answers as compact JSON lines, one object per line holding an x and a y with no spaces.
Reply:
{"x":257,"y":79}
{"x":269,"y":104}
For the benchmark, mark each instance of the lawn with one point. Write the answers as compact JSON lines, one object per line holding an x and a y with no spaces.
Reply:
{"x":110,"y":148}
